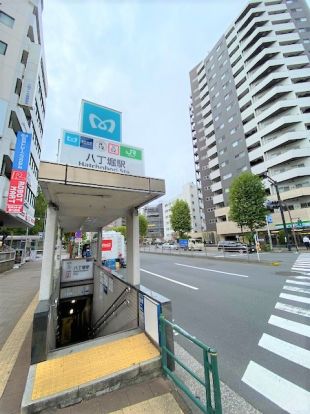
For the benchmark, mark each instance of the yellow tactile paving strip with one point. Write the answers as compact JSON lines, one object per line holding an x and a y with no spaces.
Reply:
{"x":13,"y":344}
{"x":59,"y":374}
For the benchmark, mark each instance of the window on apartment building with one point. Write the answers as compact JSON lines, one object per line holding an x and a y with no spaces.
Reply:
{"x":240,"y":155}
{"x":3,"y":47}
{"x":218,"y":105}
{"x":231,"y":119}
{"x":6,"y":19}
{"x":228,"y":108}
{"x":217,"y":95}
{"x":302,"y":19}
{"x":221,"y":126}
{"x":226,"y":176}
{"x":233,"y":130}
{"x":227,"y":96}
{"x":216,"y":118}
{"x":18,"y":86}
{"x":223,"y":76}
{"x":235,"y":143}
{"x":222,"y":151}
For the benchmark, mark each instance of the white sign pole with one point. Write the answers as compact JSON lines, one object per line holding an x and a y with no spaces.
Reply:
{"x":269,"y":234}
{"x":257,"y":245}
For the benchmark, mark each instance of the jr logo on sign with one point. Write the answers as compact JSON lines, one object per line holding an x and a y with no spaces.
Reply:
{"x":100,"y":121}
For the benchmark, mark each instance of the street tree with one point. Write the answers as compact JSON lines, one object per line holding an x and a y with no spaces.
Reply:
{"x":40,"y":212}
{"x":121,"y":229}
{"x":143,"y":226}
{"x":180,"y":217}
{"x":246,"y":202}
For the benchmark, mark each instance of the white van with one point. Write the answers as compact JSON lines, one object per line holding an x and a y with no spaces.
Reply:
{"x":195,"y":244}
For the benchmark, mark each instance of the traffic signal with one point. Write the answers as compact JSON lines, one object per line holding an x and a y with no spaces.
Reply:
{"x":271,"y":205}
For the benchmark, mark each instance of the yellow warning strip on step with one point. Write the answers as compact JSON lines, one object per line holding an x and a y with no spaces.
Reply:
{"x":13,"y":344}
{"x":59,"y":374}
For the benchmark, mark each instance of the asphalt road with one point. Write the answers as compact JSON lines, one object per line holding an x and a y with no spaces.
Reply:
{"x":228,"y":305}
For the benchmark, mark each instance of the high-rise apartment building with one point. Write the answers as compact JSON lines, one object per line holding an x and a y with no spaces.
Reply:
{"x":250,"y":109}
{"x":23,"y":92}
{"x":154,"y":216}
{"x":189,"y":194}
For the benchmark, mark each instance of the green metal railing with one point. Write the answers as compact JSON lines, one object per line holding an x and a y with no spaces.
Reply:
{"x":211,"y":382}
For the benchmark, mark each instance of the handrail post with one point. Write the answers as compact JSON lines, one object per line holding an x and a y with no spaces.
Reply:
{"x":163,"y":342}
{"x":216,"y":384}
{"x":206,"y":365}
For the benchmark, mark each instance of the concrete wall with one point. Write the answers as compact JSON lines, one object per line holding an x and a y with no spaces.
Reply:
{"x":106,"y":290}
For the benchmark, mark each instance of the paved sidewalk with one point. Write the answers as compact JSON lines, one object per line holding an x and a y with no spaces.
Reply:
{"x":18,"y":287}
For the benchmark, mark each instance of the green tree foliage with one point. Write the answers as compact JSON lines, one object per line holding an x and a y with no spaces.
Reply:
{"x":143,"y":225}
{"x":246,"y":201}
{"x":121,"y":229}
{"x":180,"y":217}
{"x":40,"y":212}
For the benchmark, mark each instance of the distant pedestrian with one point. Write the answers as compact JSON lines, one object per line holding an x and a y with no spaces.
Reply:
{"x":306,"y":242}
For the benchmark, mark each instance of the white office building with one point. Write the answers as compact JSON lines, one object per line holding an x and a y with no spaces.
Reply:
{"x":250,"y":109}
{"x":190,"y":195}
{"x":23,"y":92}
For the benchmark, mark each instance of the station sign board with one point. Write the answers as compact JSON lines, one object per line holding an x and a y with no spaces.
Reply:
{"x":80,"y":150}
{"x":101,"y":121}
{"x":76,"y":269}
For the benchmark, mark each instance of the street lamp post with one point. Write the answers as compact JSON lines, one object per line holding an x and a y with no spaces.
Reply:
{"x":272,"y":181}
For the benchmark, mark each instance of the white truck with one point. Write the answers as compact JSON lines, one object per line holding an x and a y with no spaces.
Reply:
{"x":195,"y":244}
{"x":113,"y":246}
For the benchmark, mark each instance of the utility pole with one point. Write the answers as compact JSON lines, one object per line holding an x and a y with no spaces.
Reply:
{"x":272,"y":181}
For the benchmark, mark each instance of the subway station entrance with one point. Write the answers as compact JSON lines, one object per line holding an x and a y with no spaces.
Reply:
{"x":91,"y":326}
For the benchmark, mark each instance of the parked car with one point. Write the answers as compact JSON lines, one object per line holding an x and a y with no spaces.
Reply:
{"x":170,"y":246}
{"x":234,"y":246}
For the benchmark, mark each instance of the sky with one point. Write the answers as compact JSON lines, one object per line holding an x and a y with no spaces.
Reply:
{"x":135,"y":57}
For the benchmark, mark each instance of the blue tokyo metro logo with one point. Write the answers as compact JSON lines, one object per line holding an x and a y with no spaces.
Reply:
{"x":101,"y":122}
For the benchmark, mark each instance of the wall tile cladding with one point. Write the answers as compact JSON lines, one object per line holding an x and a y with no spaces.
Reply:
{"x":224,"y":138}
{"x":296,"y":15}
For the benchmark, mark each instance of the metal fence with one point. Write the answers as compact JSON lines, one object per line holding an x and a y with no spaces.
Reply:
{"x":211,"y":382}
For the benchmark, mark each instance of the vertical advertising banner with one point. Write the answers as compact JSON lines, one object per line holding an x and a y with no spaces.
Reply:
{"x":18,"y":182}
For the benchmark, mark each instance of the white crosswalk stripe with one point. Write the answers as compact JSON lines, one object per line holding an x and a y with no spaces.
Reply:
{"x":296,"y":327}
{"x":298,"y":283}
{"x":293,"y":309}
{"x":296,"y":289}
{"x":287,"y":395}
{"x":282,"y":391}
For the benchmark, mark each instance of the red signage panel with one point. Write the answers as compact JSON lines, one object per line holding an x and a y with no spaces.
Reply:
{"x":106,"y":245}
{"x":17,"y":192}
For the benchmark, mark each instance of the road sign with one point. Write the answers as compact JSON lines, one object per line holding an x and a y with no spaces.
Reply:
{"x":269,"y":219}
{"x":183,"y":243}
{"x":101,"y":121}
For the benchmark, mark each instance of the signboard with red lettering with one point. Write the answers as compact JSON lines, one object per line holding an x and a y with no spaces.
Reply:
{"x":17,"y":191}
{"x":106,"y":245}
{"x":18,"y":182}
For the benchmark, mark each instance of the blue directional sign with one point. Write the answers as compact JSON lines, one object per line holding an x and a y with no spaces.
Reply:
{"x":183,"y":243}
{"x":269,"y":219}
{"x":101,"y":121}
{"x":22,"y":151}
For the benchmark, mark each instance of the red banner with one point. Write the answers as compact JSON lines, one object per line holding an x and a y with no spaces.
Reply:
{"x":106,"y":245}
{"x":17,"y":192}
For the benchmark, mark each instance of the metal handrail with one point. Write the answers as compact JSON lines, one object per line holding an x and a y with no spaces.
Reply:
{"x":99,"y":322}
{"x":210,"y":369}
{"x":107,"y":316}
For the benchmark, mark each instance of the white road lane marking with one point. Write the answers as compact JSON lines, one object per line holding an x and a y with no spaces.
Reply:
{"x":296,"y":289}
{"x":294,"y":282}
{"x":286,"y":350}
{"x":295,"y":298}
{"x":293,"y":309}
{"x":289,"y":325}
{"x":287,"y":395}
{"x":169,"y":280}
{"x":210,"y":270}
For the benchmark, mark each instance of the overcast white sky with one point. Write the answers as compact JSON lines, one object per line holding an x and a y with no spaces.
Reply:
{"x":135,"y":57}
